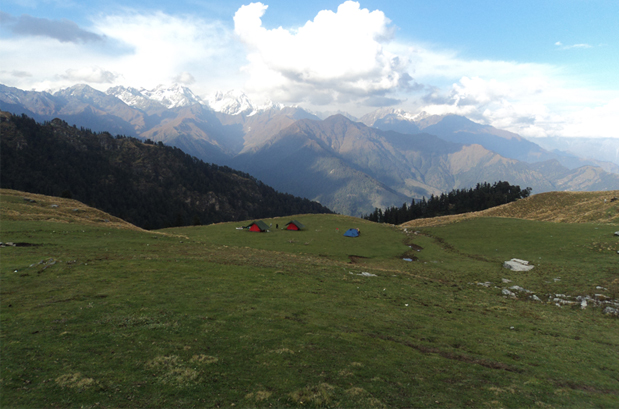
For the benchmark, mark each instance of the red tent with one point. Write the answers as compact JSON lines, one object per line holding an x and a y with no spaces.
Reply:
{"x":258,"y":226}
{"x":294,"y":225}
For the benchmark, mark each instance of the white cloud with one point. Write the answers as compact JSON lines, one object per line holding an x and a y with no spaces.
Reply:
{"x":530,"y":99}
{"x":162,"y":46}
{"x":338,"y":56}
{"x":140,"y":50}
{"x":598,"y":121}
{"x":185,"y":78}
{"x":569,"y":47}
{"x":348,"y":59}
{"x":90,"y":75}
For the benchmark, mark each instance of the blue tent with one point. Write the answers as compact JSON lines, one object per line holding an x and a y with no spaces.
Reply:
{"x":352,"y":233}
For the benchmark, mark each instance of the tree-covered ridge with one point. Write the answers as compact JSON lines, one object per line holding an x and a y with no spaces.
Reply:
{"x":147,"y":184}
{"x":483,"y":196}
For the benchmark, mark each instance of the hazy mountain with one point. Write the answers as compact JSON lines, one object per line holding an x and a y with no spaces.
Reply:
{"x":298,"y":160}
{"x":459,"y":129}
{"x":602,"y":149}
{"x":312,"y":156}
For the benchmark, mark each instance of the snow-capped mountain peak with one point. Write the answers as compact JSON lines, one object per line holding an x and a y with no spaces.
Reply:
{"x":235,"y":102}
{"x":173,"y":96}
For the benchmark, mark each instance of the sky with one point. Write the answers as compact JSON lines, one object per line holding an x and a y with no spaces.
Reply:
{"x":538,"y":68}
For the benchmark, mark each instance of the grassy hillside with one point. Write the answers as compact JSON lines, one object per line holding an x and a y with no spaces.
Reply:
{"x":558,"y":207}
{"x":26,"y":206}
{"x":211,"y":316}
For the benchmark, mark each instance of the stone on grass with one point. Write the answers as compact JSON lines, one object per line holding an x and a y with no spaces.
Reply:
{"x":535,"y":298}
{"x":611,"y":311}
{"x":508,"y":293}
{"x":517,"y":265}
{"x":366,"y":274}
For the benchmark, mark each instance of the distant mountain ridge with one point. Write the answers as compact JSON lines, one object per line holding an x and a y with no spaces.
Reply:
{"x":387,"y":158}
{"x":459,"y":129}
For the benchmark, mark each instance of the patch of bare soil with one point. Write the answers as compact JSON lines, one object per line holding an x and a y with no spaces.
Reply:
{"x":355,"y":259}
{"x":450,"y":355}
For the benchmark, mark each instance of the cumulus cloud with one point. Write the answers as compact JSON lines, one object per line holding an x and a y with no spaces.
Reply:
{"x":339,"y":56}
{"x":164,"y":47}
{"x":184,"y":78}
{"x":529,"y":106}
{"x":62,"y":30}
{"x":90,"y":75}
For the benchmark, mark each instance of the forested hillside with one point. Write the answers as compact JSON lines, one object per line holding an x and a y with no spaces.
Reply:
{"x":147,"y":184}
{"x":458,"y":201}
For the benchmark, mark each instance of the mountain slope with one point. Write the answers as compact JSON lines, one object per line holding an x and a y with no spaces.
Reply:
{"x":459,"y":129}
{"x":558,"y":207}
{"x":309,"y":153}
{"x":148,"y":185}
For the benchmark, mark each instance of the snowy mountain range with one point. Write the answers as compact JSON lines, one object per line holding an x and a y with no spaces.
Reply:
{"x":382,"y":159}
{"x":233,"y":102}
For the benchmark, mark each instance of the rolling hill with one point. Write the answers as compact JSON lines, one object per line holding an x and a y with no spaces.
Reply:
{"x":557,"y":207}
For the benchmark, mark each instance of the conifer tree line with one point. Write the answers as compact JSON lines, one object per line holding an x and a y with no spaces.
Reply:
{"x":145,"y":183}
{"x":483,"y":196}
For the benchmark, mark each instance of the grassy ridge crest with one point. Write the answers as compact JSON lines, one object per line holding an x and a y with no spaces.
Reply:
{"x":556,"y":207}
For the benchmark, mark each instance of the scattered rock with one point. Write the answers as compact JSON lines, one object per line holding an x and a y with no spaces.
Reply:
{"x":54,"y":205}
{"x":617,"y":233}
{"x":535,"y":298}
{"x":486,"y":284}
{"x":508,"y":293}
{"x":365,"y":274}
{"x":505,"y":280}
{"x":519,"y":289}
{"x":611,"y":311}
{"x":517,"y":265}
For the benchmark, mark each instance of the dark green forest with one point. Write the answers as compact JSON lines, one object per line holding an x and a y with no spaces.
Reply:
{"x":147,"y":184}
{"x":483,"y":196}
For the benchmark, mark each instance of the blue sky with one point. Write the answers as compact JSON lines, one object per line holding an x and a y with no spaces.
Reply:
{"x":538,"y":68}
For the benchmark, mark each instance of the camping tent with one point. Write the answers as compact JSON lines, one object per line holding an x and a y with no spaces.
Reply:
{"x":294,"y":225}
{"x":352,"y":233}
{"x":258,"y":226}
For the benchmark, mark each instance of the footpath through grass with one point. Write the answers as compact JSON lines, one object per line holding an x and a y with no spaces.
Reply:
{"x":213,"y":316}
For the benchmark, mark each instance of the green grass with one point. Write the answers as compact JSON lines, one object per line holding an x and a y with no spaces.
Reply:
{"x":213,"y":316}
{"x":323,"y":236}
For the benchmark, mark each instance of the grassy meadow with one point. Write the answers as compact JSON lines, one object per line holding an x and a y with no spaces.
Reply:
{"x":97,"y":314}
